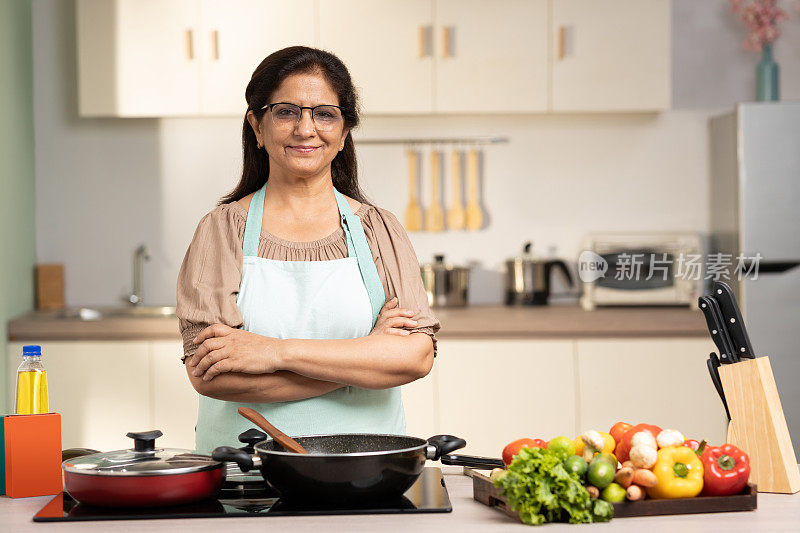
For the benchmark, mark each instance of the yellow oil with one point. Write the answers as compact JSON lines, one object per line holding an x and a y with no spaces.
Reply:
{"x":32,"y":395}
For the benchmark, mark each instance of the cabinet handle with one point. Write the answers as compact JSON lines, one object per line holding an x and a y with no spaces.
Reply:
{"x":447,"y":41}
{"x":189,"y":45}
{"x":565,"y":37}
{"x":215,"y":45}
{"x":425,"y":41}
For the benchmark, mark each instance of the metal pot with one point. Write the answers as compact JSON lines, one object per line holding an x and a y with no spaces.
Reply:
{"x":446,"y":285}
{"x":347,"y":467}
{"x":528,"y":278}
{"x":144,"y":476}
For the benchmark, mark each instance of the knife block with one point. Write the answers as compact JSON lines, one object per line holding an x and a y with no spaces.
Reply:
{"x":758,"y":426}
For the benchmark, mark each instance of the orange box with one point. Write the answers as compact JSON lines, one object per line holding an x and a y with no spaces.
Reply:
{"x":33,"y":454}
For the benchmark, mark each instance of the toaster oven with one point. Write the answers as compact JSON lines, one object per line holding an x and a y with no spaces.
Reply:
{"x":641,"y":269}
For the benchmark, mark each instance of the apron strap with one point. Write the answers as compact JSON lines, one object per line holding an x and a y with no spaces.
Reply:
{"x":252,"y":228}
{"x":357,"y":245}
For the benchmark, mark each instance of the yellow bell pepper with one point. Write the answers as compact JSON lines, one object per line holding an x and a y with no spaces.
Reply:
{"x":679,"y":473}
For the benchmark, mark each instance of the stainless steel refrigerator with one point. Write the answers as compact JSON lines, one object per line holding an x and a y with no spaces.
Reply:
{"x":755,"y":208}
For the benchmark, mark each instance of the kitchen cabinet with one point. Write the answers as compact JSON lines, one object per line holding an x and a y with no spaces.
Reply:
{"x":660,"y":381}
{"x":101,"y":389}
{"x":494,"y":391}
{"x":138,"y":58}
{"x":491,"y":58}
{"x":156,"y":58}
{"x":387,"y":46}
{"x":174,"y":401}
{"x":610,"y":55}
{"x":239,"y":34}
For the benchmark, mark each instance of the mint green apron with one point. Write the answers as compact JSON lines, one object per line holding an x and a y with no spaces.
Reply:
{"x":337,"y":299}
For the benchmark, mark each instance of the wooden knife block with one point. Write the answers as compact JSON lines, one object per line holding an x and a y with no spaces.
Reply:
{"x":758,"y":426}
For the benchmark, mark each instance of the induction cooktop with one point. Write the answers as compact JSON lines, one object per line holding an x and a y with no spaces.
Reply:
{"x":253,"y":498}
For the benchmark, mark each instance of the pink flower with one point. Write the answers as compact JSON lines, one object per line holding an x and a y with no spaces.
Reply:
{"x":761,"y":18}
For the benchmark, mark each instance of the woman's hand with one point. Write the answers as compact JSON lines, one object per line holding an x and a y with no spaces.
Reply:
{"x":393,"y":319}
{"x":226,"y":349}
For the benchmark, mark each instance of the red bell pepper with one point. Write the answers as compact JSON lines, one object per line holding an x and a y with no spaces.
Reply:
{"x":726,"y":470}
{"x":513,"y":448}
{"x":624,"y":446}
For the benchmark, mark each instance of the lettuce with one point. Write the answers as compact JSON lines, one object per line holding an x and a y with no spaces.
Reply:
{"x":541,"y":490}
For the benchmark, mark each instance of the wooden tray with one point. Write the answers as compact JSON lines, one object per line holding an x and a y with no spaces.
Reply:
{"x":486,"y":493}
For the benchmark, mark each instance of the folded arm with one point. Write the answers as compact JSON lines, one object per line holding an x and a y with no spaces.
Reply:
{"x":280,"y":386}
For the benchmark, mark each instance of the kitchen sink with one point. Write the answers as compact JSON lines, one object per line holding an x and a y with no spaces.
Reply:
{"x":98,"y":313}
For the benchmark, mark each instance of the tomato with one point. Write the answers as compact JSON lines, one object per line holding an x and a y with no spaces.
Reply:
{"x":692,"y":443}
{"x":624,"y":445}
{"x":513,"y":448}
{"x":618,"y":430}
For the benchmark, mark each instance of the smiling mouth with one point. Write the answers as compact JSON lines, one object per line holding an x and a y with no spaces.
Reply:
{"x":304,"y":149}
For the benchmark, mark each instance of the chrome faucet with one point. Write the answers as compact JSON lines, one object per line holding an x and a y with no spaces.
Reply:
{"x":141,"y":255}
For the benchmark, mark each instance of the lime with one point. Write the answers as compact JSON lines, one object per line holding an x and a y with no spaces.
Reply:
{"x":600,"y":474}
{"x":609,"y":458}
{"x":613,"y":493}
{"x":576,"y":464}
{"x":562,"y":445}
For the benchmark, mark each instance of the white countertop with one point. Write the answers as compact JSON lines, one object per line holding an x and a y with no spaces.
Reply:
{"x":776,"y":512}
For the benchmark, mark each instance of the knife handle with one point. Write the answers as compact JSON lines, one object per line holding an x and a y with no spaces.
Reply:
{"x":730,"y":348}
{"x":714,"y":328}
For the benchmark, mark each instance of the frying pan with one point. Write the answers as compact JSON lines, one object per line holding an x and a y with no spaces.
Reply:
{"x":348,"y":467}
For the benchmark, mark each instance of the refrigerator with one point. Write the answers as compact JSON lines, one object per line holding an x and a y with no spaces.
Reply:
{"x":755,"y":209}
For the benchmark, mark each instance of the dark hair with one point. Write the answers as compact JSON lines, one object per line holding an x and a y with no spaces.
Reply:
{"x":266,"y":78}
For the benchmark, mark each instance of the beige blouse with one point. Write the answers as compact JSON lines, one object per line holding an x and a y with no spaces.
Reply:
{"x":208,"y":282}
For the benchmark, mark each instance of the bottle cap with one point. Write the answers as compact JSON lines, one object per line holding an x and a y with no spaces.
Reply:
{"x":31,"y":350}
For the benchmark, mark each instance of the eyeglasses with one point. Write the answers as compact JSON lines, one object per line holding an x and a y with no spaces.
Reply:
{"x":286,"y":115}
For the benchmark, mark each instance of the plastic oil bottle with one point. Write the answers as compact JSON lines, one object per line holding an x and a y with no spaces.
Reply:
{"x":32,"y":397}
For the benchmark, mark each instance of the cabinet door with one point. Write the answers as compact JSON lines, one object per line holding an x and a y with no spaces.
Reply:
{"x":420,"y":403}
{"x":491,"y":58}
{"x":236,"y":35}
{"x":657,"y":381}
{"x":387,"y":47}
{"x":101,"y":389}
{"x":494,"y":391}
{"x":174,"y":400}
{"x":611,"y":55}
{"x":158,"y":64}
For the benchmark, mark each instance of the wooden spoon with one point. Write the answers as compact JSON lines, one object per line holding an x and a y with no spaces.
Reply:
{"x":279,"y":436}
{"x":413,"y":210}
{"x":455,"y":215}
{"x":434,"y":217}
{"x":474,"y":213}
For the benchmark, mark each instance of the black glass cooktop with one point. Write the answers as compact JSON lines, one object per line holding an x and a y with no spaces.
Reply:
{"x":427,"y":495}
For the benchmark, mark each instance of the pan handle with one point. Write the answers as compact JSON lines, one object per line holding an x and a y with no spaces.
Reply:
{"x":472,"y":461}
{"x":439,"y":445}
{"x":245,"y":461}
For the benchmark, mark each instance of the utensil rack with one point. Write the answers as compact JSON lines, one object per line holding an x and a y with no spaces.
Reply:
{"x":480,"y":140}
{"x":758,"y":425}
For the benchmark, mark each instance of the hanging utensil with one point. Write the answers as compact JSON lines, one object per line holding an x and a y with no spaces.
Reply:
{"x":456,"y":218}
{"x":279,"y":436}
{"x":434,"y":216}
{"x":474,"y":214}
{"x":413,"y":210}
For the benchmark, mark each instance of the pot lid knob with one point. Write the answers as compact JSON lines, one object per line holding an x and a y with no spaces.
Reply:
{"x":251,"y":437}
{"x":438,"y":258}
{"x":144,"y":441}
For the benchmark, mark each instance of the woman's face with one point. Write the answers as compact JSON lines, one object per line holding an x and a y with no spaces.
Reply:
{"x":300,"y":149}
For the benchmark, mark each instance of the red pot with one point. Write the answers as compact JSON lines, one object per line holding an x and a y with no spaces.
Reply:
{"x":145,"y":476}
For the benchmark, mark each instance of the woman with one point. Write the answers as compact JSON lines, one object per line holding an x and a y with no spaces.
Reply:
{"x":296,"y":296}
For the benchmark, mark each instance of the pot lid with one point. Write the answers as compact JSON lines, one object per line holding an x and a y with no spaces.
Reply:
{"x":439,"y":265}
{"x":143,"y":460}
